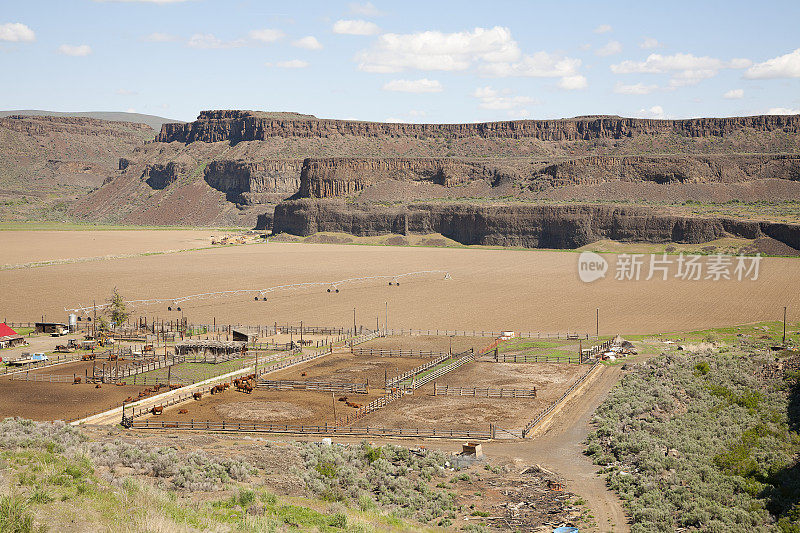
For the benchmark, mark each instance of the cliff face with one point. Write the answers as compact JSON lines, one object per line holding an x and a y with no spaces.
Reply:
{"x":161,"y":176}
{"x":254,"y":182}
{"x":332,"y":177}
{"x":44,"y":125}
{"x":236,"y":126}
{"x":532,"y":226}
{"x":668,"y":169}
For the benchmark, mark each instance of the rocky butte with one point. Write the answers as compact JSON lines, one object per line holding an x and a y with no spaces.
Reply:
{"x":539,"y":183}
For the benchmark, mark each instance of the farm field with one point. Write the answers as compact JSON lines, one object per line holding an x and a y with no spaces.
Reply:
{"x":490,"y":289}
{"x":20,"y":247}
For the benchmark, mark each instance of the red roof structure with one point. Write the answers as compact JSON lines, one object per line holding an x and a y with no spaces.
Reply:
{"x":6,"y":331}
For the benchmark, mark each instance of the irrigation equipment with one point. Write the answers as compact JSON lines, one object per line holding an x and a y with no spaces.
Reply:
{"x":332,"y":287}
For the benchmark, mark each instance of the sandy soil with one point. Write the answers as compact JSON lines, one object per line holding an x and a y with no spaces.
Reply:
{"x":424,"y":410}
{"x":346,"y":367}
{"x":21,"y":247}
{"x":428,"y":343}
{"x":490,"y":289}
{"x":59,"y":401}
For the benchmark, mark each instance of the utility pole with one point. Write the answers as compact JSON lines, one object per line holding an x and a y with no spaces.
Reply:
{"x":354,"y":322}
{"x":784,"y":325}
{"x":333,"y":399}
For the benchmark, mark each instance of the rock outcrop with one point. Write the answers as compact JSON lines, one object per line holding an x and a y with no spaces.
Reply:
{"x":673,"y":168}
{"x":532,"y":226}
{"x":161,"y":176}
{"x":254,"y":182}
{"x":332,"y":177}
{"x":44,"y":125}
{"x":237,"y":126}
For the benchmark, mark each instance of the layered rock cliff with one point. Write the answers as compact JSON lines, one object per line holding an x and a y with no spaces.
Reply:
{"x":237,"y":126}
{"x":672,"y":168}
{"x":331,"y":177}
{"x":254,"y":182}
{"x":532,"y":226}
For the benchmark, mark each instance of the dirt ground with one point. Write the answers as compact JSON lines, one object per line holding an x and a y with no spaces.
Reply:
{"x":299,"y":407}
{"x":20,"y":247}
{"x":351,"y":368}
{"x":59,"y":401}
{"x":521,"y":290}
{"x":423,"y":410}
{"x":428,"y":343}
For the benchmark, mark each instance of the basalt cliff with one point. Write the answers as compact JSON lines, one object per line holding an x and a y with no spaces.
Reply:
{"x":499,"y":182}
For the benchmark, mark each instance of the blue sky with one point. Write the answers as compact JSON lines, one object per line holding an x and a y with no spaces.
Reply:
{"x":416,"y":61}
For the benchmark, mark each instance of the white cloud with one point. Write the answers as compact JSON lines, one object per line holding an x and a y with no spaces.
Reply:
{"x":685,"y":69}
{"x":782,"y":111}
{"x":423,"y":85}
{"x":491,"y":52}
{"x":158,"y":37}
{"x":493,"y":99}
{"x":653,"y":112}
{"x":80,"y":50}
{"x":365,"y":10}
{"x":16,"y":32}
{"x":309,"y":43}
{"x":208,"y":41}
{"x":650,"y":43}
{"x":355,"y":27}
{"x":610,"y":49}
{"x":636,"y":88}
{"x":267,"y":35}
{"x":785,"y":66}
{"x":734,"y":94}
{"x":603,"y":28}
{"x":573,"y":83}
{"x":292,"y":63}
{"x":433,"y":50}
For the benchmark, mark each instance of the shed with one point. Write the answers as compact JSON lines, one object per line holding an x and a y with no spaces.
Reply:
{"x":10,"y":338}
{"x":52,"y":327}
{"x":210,"y":351}
{"x":244,"y":335}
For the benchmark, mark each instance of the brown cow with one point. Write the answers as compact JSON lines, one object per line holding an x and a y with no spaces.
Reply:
{"x":197,"y":395}
{"x":98,"y":386}
{"x":157,"y":410}
{"x":76,"y":380}
{"x":343,"y":399}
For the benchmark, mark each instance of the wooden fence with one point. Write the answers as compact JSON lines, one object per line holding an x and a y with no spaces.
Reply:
{"x":115,"y":373}
{"x":395,"y":381}
{"x":134,"y":411}
{"x":522,"y":358}
{"x":532,"y":424}
{"x":374,"y":405}
{"x":46,"y":378}
{"x":325,"y":429}
{"x":53,"y":360}
{"x":475,"y":392}
{"x":321,"y":386}
{"x":465,"y":357}
{"x":494,"y":334}
{"x":588,"y":353}
{"x":394,"y":352}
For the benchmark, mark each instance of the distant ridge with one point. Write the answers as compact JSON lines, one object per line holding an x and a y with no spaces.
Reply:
{"x":153,"y":121}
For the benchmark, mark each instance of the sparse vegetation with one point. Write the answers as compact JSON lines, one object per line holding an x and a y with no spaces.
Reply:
{"x":700,"y":441}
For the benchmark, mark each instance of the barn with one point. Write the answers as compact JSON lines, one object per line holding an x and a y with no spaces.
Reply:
{"x":10,"y":338}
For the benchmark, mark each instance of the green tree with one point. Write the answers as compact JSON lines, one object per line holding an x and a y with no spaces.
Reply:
{"x":117,"y":311}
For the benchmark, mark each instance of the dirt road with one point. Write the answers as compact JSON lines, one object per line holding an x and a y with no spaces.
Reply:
{"x":560,"y":449}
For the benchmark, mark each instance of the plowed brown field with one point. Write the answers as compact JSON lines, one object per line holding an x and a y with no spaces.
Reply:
{"x":489,"y":289}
